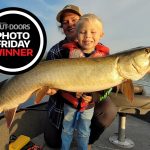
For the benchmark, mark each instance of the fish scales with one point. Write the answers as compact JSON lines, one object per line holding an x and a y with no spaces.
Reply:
{"x":76,"y":75}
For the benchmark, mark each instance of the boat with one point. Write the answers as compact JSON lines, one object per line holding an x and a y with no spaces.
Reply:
{"x":31,"y":122}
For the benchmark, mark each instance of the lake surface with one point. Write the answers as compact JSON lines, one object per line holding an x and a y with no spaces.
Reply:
{"x":145,"y":82}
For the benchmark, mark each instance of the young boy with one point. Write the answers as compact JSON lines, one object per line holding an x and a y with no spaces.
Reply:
{"x":89,"y":32}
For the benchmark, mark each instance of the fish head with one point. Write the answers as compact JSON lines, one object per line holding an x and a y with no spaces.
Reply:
{"x":141,"y":59}
{"x":134,"y":64}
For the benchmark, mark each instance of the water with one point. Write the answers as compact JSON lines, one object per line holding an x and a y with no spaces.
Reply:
{"x":145,"y":82}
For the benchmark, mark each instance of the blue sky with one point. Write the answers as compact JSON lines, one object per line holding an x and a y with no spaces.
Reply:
{"x":126,"y":22}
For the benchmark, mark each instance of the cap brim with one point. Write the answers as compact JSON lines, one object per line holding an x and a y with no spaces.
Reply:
{"x":66,"y":10}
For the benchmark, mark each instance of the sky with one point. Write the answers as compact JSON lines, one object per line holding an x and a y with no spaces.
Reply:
{"x":126,"y":22}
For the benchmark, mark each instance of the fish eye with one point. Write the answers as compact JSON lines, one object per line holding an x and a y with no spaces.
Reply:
{"x":147,"y":50}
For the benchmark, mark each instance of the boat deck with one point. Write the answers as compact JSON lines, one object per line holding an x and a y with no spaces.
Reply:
{"x":136,"y":129}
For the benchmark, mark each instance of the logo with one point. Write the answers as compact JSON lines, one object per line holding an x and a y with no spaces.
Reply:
{"x":22,"y":40}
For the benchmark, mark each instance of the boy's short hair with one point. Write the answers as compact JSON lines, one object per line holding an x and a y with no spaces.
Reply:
{"x":91,"y":18}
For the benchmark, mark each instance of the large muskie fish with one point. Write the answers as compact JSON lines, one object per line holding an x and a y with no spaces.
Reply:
{"x":76,"y":75}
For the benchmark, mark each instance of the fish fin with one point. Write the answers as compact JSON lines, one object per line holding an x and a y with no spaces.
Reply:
{"x":127,"y":89}
{"x":40,"y":94}
{"x":9,"y":115}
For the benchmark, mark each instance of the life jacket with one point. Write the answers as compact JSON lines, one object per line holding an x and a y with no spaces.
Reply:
{"x":79,"y":104}
{"x":76,"y":52}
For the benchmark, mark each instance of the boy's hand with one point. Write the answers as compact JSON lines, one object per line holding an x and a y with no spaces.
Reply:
{"x":52,"y":91}
{"x":79,"y":94}
{"x":86,"y":98}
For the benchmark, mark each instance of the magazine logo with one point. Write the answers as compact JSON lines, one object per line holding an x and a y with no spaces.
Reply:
{"x":22,"y":40}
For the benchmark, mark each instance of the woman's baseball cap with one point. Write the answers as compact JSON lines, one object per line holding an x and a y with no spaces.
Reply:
{"x":71,"y":8}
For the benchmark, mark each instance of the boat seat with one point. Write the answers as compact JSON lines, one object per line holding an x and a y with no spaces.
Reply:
{"x":140,"y":106}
